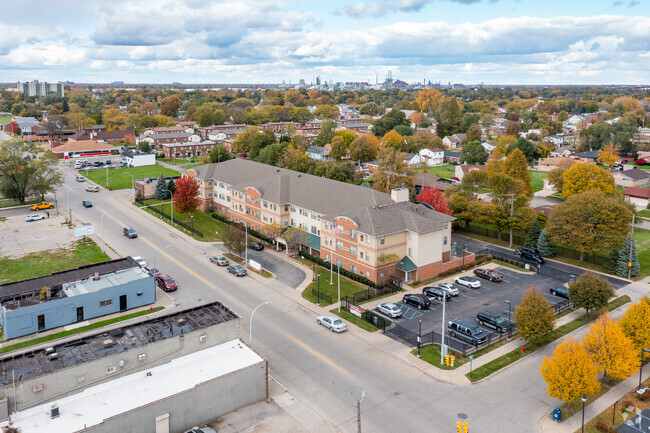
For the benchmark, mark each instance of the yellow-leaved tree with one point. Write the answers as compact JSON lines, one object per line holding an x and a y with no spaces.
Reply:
{"x":392,"y":139}
{"x":608,"y":155}
{"x":636,"y":325}
{"x":585,"y":176}
{"x":429,"y":100}
{"x":570,"y":373}
{"x":610,"y":350}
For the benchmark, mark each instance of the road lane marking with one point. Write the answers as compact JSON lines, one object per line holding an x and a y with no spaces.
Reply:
{"x":320,"y":355}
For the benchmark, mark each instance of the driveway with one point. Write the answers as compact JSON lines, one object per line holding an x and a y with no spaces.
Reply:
{"x":284,"y":272}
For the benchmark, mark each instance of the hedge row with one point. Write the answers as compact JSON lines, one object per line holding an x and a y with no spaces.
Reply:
{"x":354,"y":277}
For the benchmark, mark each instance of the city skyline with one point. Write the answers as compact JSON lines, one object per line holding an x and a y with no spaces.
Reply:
{"x":458,"y":41}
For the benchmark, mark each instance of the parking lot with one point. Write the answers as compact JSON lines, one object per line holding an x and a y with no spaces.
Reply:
{"x":18,"y":237}
{"x":490,"y":296}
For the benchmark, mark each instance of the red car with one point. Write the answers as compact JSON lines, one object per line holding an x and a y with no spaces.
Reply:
{"x":166,"y":283}
{"x":488,"y":274}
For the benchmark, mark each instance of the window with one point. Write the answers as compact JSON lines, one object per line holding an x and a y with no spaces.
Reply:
{"x":106,"y":302}
{"x":286,"y":208}
{"x":210,"y":194}
{"x":265,"y":218}
{"x":410,"y":252}
{"x":353,"y":269}
{"x":293,"y":209}
{"x":367,"y":274}
{"x":382,"y":240}
{"x":361,"y":238}
{"x":367,"y":257}
{"x":314,"y":229}
{"x":339,"y":245}
{"x":293,"y":222}
{"x":314,"y":216}
{"x":248,"y":211}
{"x":445,"y":240}
{"x":367,"y":239}
{"x":266,"y":204}
{"x":410,"y":236}
{"x":228,"y":198}
{"x":353,"y":251}
{"x":220,"y":185}
{"x":339,"y":263}
{"x":360,"y":254}
{"x":257,"y":213}
{"x":257,"y":201}
{"x":286,"y":221}
{"x":353,"y":234}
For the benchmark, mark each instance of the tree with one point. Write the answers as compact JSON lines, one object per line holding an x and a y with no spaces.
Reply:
{"x":544,"y":245}
{"x":295,"y":158}
{"x":27,"y":169}
{"x":496,"y":163}
{"x":56,"y":125}
{"x":513,"y":128}
{"x":219,"y":153}
{"x":113,"y":119}
{"x":388,"y":121}
{"x":327,"y":130}
{"x":620,"y":134}
{"x":369,"y":109}
{"x":450,"y":118}
{"x":170,"y":106}
{"x":339,"y":148}
{"x":473,"y":134}
{"x":429,"y":100}
{"x":556,"y":176}
{"x":516,"y":167}
{"x":144,"y":146}
{"x":364,"y":148}
{"x":244,"y":140}
{"x":533,"y":234}
{"x":326,"y":112}
{"x":435,"y":198}
{"x":627,"y":254}
{"x":272,"y":230}
{"x":585,"y":176}
{"x":392,"y":172}
{"x":610,"y":349}
{"x":186,"y":198}
{"x":569,"y":373}
{"x":171,"y":186}
{"x":526,"y":147}
{"x":636,"y":325}
{"x":161,"y":189}
{"x":392,"y":139}
{"x":473,"y":182}
{"x":294,"y":237}
{"x":590,"y":222}
{"x":474,"y":153}
{"x":608,"y":155}
{"x":534,"y":316}
{"x":234,"y":238}
{"x":590,"y":291}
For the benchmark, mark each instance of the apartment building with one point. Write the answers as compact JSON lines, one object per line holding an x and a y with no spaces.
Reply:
{"x":370,"y":233}
{"x":38,"y":89}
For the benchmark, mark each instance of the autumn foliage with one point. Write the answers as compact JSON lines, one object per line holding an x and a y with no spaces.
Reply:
{"x":186,"y":197}
{"x":610,"y":350}
{"x":636,"y":325}
{"x":435,"y":198}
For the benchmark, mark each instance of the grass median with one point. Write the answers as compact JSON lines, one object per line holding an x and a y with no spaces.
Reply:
{"x":120,"y":177}
{"x":507,"y":359}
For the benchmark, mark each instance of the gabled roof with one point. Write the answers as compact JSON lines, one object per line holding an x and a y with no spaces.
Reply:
{"x":317,"y":150}
{"x":637,"y":192}
{"x":634,"y":173}
{"x":163,"y":135}
{"x":450,"y":154}
{"x":82,"y":146}
{"x":593,"y":154}
{"x":467,"y":168}
{"x":406,"y":265}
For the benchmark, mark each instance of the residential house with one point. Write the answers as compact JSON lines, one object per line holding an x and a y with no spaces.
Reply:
{"x":188,"y":149}
{"x":588,"y":156}
{"x":462,"y":169}
{"x":413,"y":159}
{"x":453,"y":141}
{"x":370,"y":233}
{"x":433,"y":156}
{"x":639,"y":197}
{"x":632,"y":177}
{"x":156,"y":140}
{"x":561,"y":151}
{"x":551,"y":163}
{"x":450,"y":156}
{"x":318,"y":153}
{"x":576,"y":119}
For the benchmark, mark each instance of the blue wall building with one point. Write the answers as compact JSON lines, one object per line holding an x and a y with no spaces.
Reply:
{"x":63,"y":298}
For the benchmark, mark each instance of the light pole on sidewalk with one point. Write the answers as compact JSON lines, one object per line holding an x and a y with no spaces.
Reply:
{"x":643,"y":351}
{"x":584,"y":400}
{"x":101,"y":225}
{"x":250,"y":326}
{"x":509,"y":324}
{"x":156,"y":253}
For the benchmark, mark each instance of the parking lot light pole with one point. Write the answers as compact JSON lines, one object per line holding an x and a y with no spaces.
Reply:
{"x":584,"y":400}
{"x":509,"y":324}
{"x":318,"y":289}
{"x":643,"y":351}
{"x":156,"y":253}
{"x":463,"y":254}
{"x":101,"y":225}
{"x":442,"y":340}
{"x":192,"y":232}
{"x":250,"y":326}
{"x":419,"y":334}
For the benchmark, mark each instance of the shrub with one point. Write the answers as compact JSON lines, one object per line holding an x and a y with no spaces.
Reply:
{"x":358,"y":278}
{"x":601,"y":426}
{"x":641,"y":161}
{"x":643,"y":397}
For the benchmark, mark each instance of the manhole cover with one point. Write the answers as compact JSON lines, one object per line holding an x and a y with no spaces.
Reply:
{"x":462,"y":416}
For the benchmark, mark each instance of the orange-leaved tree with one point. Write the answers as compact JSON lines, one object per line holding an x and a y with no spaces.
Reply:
{"x":434,"y":197}
{"x":585,"y":176}
{"x":186,"y":197}
{"x":610,"y":350}
{"x":570,"y":373}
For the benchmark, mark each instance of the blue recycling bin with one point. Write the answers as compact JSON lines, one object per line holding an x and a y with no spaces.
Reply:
{"x":557,"y":414}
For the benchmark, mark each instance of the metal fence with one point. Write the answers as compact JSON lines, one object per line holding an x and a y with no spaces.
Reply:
{"x":372,"y":317}
{"x":371,"y":293}
{"x":509,"y":257}
{"x":321,"y":296}
{"x":166,"y":216}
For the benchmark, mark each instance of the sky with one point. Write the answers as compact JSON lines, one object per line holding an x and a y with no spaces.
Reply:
{"x":267,"y":41}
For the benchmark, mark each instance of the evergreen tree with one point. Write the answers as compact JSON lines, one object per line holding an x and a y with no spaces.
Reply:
{"x":161,"y":189}
{"x":624,"y":258}
{"x":533,"y":234}
{"x":171,"y":186}
{"x":544,"y":245}
{"x":612,"y":260}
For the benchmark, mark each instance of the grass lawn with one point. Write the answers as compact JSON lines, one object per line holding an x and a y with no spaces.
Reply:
{"x":174,"y":161}
{"x":445,"y":171}
{"x":5,"y":119}
{"x":644,"y":213}
{"x":119,"y":178}
{"x":348,"y":287}
{"x":203,"y":222}
{"x":198,"y":164}
{"x":9,"y":202}
{"x":538,"y":179}
{"x":642,"y":237}
{"x":507,"y":359}
{"x":39,"y":264}
{"x":345,"y":314}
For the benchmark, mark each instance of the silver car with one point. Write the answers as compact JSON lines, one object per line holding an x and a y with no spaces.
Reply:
{"x":220,"y":260}
{"x":333,"y":323}
{"x":453,"y":290}
{"x":470,"y":282}
{"x":391,"y":310}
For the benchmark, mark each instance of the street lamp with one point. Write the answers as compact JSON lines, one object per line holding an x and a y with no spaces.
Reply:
{"x":250,"y":326}
{"x":192,"y":232}
{"x":318,"y":288}
{"x":442,"y":340}
{"x":463,"y":254}
{"x":67,"y":201}
{"x":509,"y":324}
{"x":132,"y":183}
{"x":172,"y":203}
{"x":155,"y":254}
{"x":101,"y":225}
{"x":584,"y":400}
{"x":643,"y":351}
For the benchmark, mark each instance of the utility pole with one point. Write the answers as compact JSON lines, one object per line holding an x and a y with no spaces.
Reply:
{"x":629,"y":262}
{"x":363,"y":395}
{"x":512,"y":205}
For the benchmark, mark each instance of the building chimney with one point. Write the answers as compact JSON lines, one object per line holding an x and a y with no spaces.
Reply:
{"x":400,"y":194}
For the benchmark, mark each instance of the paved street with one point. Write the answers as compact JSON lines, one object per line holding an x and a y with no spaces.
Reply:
{"x":324,"y":372}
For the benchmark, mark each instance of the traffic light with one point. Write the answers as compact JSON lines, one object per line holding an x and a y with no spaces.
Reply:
{"x":461,"y":427}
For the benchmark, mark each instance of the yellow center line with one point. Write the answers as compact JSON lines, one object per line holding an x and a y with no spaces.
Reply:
{"x":320,"y":355}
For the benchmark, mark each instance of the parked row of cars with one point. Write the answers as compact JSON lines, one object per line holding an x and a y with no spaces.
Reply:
{"x":236,"y":270}
{"x":164,"y":281}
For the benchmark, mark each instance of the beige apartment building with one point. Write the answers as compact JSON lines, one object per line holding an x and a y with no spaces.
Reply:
{"x":367,"y":232}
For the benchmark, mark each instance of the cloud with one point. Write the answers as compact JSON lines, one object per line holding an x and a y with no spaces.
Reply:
{"x":12,"y":36}
{"x":381,"y":7}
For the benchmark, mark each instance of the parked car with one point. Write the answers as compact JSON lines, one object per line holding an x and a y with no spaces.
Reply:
{"x":493,"y":320}
{"x":140,"y":261}
{"x":78,"y":165}
{"x":98,"y":163}
{"x":530,"y":254}
{"x":92,"y":188}
{"x":333,"y":323}
{"x":488,"y":274}
{"x":80,"y":179}
{"x":220,"y":260}
{"x":202,"y":430}
{"x":87,"y":203}
{"x":237,"y":270}
{"x":391,"y":310}
{"x":560,"y":291}
{"x":448,"y":287}
{"x":418,"y":300}
{"x":470,"y":282}
{"x":36,"y":217}
{"x":256,"y":246}
{"x":129,"y":232}
{"x":42,"y":205}
{"x":434,"y":292}
{"x":464,"y":330}
{"x":152,"y":271}
{"x":108,"y":162}
{"x":166,"y":283}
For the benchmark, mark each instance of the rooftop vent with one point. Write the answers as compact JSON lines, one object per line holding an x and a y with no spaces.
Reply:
{"x":49,"y":350}
{"x":108,"y":343}
{"x":54,"y":411}
{"x":117,"y":332}
{"x":181,"y":321}
{"x":52,"y":356}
